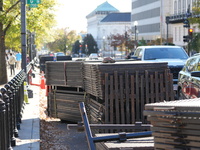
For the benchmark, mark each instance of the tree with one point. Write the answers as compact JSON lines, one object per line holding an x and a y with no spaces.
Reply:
{"x":123,"y":41}
{"x":7,"y":17}
{"x":196,"y":11}
{"x":63,"y":39}
{"x":158,"y":42}
{"x":39,"y":20}
{"x":142,"y":42}
{"x":89,"y":44}
{"x":195,"y":43}
{"x":76,"y":47}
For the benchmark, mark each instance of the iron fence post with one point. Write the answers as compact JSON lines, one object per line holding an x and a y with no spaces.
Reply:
{"x":5,"y":98}
{"x":2,"y":124}
{"x":9,"y":93}
{"x":12,"y":88}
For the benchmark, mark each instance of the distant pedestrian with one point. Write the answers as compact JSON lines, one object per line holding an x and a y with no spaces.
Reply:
{"x":7,"y":58}
{"x":12,"y":60}
{"x":19,"y":59}
{"x":27,"y":59}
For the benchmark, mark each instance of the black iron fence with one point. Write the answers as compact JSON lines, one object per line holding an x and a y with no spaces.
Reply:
{"x":11,"y":107}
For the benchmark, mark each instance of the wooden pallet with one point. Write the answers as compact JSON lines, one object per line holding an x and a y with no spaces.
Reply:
{"x":63,"y":103}
{"x":64,"y":73}
{"x":125,"y":96}
{"x":175,"y":123}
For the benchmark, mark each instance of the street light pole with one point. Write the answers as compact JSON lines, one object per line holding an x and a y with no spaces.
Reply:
{"x":86,"y":49}
{"x":167,"y":22}
{"x":23,"y":34}
{"x":135,"y":33}
{"x":135,"y":24}
{"x":104,"y":44}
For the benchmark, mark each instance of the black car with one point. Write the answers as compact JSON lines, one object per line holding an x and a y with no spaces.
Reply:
{"x":189,"y":79}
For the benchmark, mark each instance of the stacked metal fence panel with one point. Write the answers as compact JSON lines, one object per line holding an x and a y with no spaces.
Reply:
{"x":94,"y":73}
{"x":65,"y":89}
{"x":176,"y":124}
{"x":117,"y":92}
{"x":64,"y":73}
{"x":63,"y":103}
{"x":145,"y":143}
{"x":55,"y":73}
{"x":43,"y":59}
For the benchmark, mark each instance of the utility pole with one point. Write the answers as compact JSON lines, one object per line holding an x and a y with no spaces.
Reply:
{"x":23,"y":34}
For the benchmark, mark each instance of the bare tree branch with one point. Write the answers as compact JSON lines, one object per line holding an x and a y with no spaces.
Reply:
{"x":10,"y":22}
{"x":9,"y":9}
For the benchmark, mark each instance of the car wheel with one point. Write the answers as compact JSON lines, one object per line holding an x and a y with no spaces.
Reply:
{"x":180,"y":94}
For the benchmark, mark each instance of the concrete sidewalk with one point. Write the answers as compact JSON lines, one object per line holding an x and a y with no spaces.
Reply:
{"x":29,"y":133}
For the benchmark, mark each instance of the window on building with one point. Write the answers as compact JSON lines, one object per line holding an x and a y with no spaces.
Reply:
{"x":115,"y":31}
{"x":103,"y":32}
{"x":175,"y":34}
{"x":175,"y":7}
{"x":184,"y":6}
{"x":188,"y":3}
{"x":179,"y":6}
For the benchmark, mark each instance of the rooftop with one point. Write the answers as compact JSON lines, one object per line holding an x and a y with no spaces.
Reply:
{"x":105,"y":7}
{"x":117,"y":17}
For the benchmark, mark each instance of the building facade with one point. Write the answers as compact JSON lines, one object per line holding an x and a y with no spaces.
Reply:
{"x":147,"y":21}
{"x":151,"y":19}
{"x":180,"y":8}
{"x":106,"y":20}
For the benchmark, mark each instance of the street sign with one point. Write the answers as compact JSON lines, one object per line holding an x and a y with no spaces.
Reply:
{"x":33,"y":5}
{"x":33,"y":1}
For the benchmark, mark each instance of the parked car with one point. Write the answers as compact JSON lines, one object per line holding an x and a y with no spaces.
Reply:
{"x":129,"y":55}
{"x":74,"y":55}
{"x":93,"y":56}
{"x":189,"y":79}
{"x":175,"y":56}
{"x":60,"y":54}
{"x":82,"y":55}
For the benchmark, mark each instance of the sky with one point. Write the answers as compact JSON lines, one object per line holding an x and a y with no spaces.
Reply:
{"x":72,"y":14}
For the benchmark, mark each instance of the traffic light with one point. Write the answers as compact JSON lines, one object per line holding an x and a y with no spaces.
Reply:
{"x":186,"y":23}
{"x":186,"y":38}
{"x":190,"y":32}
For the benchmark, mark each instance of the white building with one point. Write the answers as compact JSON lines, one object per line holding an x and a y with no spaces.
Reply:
{"x":147,"y":21}
{"x":180,"y":7}
{"x":106,"y":20}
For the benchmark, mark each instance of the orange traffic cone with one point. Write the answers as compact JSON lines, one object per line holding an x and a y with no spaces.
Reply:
{"x":42,"y":83}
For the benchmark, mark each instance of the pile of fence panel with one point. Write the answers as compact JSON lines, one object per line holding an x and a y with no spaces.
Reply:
{"x":64,"y":81}
{"x":45,"y":58}
{"x":63,"y":103}
{"x":64,"y":73}
{"x":176,"y":124}
{"x":117,"y":92}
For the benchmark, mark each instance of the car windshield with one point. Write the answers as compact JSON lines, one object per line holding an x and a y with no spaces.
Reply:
{"x":164,"y":53}
{"x":93,"y":55}
{"x":60,"y":54}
